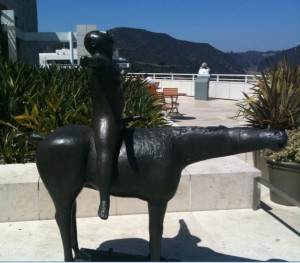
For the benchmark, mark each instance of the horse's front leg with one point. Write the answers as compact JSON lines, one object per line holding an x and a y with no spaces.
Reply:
{"x":74,"y":240}
{"x":156,"y":221}
{"x":79,"y":254}
{"x":63,"y":220}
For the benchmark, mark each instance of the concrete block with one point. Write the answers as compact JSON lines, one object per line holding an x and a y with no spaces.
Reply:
{"x":88,"y":203}
{"x":181,"y":202}
{"x":222,"y":183}
{"x":18,"y":192}
{"x":46,"y":206}
{"x":4,"y":215}
{"x":128,"y":206}
{"x":22,"y":201}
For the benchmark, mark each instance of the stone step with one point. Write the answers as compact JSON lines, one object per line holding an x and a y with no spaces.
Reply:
{"x":215,"y":184}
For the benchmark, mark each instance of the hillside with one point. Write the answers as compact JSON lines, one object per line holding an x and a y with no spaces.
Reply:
{"x":253,"y":61}
{"x":158,"y":52}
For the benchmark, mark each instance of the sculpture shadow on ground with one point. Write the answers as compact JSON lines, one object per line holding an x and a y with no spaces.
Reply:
{"x":268,"y":210}
{"x":183,"y":247}
{"x":181,"y":117}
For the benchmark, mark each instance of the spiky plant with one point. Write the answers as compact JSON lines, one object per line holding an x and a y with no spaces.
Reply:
{"x":275,"y":99}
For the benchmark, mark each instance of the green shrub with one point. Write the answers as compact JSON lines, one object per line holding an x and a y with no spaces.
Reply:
{"x":291,"y":153}
{"x":36,"y":99}
{"x":141,"y":102}
{"x":14,"y":146}
{"x":18,"y":84}
{"x":61,"y":98}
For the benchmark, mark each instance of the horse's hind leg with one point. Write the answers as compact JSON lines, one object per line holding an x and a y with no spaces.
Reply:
{"x":63,"y":220}
{"x":156,"y":221}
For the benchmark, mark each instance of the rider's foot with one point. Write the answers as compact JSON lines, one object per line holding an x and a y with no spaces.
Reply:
{"x":103,"y":210}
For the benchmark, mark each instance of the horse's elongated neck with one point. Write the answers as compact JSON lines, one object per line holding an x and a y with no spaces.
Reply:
{"x":204,"y":143}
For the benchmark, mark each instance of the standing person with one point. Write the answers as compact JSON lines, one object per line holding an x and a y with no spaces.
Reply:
{"x":148,"y":79}
{"x":108,"y":106}
{"x":204,"y":69}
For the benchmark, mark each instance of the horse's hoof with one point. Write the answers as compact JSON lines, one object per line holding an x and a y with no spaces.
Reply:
{"x":103,"y":210}
{"x":82,"y":256}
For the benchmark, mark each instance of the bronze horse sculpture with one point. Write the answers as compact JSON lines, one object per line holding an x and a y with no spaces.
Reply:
{"x":149,"y":168}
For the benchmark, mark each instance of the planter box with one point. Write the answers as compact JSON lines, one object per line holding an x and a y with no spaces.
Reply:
{"x":221,"y":183}
{"x":286,"y":177}
{"x":260,"y":162}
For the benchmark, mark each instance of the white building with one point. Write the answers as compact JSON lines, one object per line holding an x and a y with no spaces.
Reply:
{"x":61,"y":57}
{"x":67,"y":58}
{"x":20,"y":41}
{"x":16,"y":18}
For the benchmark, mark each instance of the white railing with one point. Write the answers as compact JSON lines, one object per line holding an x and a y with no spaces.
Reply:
{"x":223,"y":86}
{"x":246,"y":78}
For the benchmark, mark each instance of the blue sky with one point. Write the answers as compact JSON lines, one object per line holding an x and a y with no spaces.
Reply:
{"x":228,"y":25}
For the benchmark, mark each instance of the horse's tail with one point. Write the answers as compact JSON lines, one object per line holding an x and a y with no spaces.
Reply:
{"x":36,"y":137}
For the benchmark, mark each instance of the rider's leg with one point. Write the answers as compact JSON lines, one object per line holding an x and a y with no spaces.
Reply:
{"x":107,"y":147}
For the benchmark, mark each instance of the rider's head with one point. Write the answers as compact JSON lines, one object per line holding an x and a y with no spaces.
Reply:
{"x":98,"y":42}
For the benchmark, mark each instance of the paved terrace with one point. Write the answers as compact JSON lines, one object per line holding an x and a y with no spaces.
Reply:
{"x":271,"y":233}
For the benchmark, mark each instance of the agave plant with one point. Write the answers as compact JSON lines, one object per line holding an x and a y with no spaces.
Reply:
{"x":275,"y":99}
{"x":275,"y":104}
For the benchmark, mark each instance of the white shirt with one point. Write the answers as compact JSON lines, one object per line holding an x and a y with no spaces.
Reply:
{"x":149,"y":80}
{"x":203,"y":71}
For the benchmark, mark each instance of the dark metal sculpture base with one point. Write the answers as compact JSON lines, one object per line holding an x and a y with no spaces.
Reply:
{"x":110,"y":256}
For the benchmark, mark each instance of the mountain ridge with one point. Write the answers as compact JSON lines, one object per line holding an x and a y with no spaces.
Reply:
{"x":159,"y":52}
